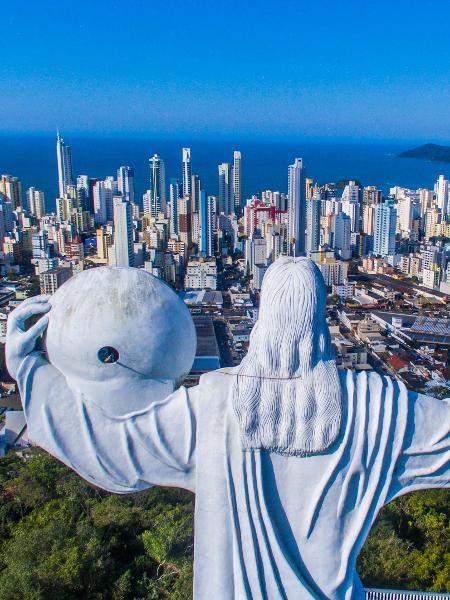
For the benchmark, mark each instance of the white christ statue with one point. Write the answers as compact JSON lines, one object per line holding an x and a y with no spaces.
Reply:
{"x":290,"y":459}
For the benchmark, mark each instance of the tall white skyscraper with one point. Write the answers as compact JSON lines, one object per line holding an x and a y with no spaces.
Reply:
{"x":64,"y":158}
{"x":36,"y":202}
{"x":110,"y":192}
{"x":313,"y":224}
{"x":442,"y":193}
{"x":405,"y":207}
{"x":157,"y":186}
{"x":342,"y":236}
{"x":368,"y":217}
{"x":237,"y":182}
{"x":125,"y":182}
{"x":296,"y":207}
{"x":99,"y":202}
{"x":225,"y":188}
{"x":384,"y":225}
{"x":351,"y":205}
{"x":123,"y":233}
{"x":351,"y":192}
{"x":187,"y":173}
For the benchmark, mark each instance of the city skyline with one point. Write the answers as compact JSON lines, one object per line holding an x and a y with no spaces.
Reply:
{"x":310,"y":219}
{"x":191,"y":189}
{"x":303,"y":71}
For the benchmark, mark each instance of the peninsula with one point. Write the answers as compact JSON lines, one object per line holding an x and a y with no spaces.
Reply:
{"x":434,"y":152}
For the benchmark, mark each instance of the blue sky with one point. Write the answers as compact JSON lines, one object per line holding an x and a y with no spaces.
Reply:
{"x":355,"y":69}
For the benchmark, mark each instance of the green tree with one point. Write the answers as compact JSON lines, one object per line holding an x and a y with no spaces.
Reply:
{"x":409,"y":547}
{"x":61,"y":538}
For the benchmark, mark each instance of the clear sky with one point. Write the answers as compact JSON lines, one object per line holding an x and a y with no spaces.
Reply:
{"x":357,"y":69}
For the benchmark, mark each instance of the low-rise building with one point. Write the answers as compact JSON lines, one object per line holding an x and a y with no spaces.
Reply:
{"x":334,"y":272}
{"x":202,"y":298}
{"x":344,"y":290}
{"x":51,"y":280}
{"x":201,"y":274}
{"x":368,"y":330}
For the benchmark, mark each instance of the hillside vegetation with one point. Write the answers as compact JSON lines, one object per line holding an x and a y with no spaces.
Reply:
{"x":61,"y":538}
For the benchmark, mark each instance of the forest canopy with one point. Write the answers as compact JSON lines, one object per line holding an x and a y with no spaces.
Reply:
{"x":64,"y":539}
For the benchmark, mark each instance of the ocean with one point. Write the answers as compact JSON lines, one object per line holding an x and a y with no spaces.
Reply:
{"x":32,"y":158}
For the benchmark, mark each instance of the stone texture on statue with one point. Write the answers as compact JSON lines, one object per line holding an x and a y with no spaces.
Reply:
{"x":290,"y":460}
{"x":287,"y":394}
{"x":155,"y":342}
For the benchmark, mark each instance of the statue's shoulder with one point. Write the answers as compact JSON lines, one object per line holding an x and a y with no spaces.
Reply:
{"x":378,"y":388}
{"x":372,"y":378}
{"x":222,"y":377}
{"x":215,"y":387}
{"x":376,"y":382}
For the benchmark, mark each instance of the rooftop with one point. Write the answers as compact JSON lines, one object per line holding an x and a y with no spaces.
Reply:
{"x":207,"y":356}
{"x":202,"y":297}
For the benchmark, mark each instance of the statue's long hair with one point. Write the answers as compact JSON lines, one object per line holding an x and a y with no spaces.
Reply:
{"x":287,"y":394}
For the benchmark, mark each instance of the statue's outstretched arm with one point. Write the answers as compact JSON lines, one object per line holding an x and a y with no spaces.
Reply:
{"x":120,"y":454}
{"x":425,"y":459}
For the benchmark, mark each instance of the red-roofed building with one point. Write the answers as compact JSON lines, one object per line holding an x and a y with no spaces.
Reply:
{"x":398,"y":364}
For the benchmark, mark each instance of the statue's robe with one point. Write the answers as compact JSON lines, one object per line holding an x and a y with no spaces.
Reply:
{"x":266,"y":525}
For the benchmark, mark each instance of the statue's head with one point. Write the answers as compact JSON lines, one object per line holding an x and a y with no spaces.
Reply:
{"x":287,"y":395}
{"x":111,"y":328}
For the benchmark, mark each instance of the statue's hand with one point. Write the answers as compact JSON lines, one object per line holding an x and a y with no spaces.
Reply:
{"x":20,"y":341}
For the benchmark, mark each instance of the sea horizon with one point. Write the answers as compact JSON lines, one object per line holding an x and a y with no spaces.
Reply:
{"x":32,"y":158}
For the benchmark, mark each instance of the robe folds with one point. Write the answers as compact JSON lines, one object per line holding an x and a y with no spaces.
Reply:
{"x":267,"y":526}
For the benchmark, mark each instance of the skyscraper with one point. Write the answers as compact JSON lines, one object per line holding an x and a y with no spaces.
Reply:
{"x":225,"y":189}
{"x":64,"y":158}
{"x":125,"y":182}
{"x":40,"y":245}
{"x":157,"y":186}
{"x":123,"y":233}
{"x":99,"y":202}
{"x":6,"y":214}
{"x":372,"y":195}
{"x":184,"y":220}
{"x":195,"y":192}
{"x":187,"y":174}
{"x":309,"y":188}
{"x":203,"y":218}
{"x":313,"y":224}
{"x":351,"y":205}
{"x":174,"y":194}
{"x":442,"y":193}
{"x":110,"y":192}
{"x":368,"y":217}
{"x":211,"y":224}
{"x":83,"y":192}
{"x":342,"y":236}
{"x":92,"y":182}
{"x":406,"y":211}
{"x":36,"y":202}
{"x":2,"y":221}
{"x":296,"y":207}
{"x":11,"y":188}
{"x":385,"y":218}
{"x":237,"y":182}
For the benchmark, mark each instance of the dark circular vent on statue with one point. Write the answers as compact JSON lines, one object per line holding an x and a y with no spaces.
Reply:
{"x":108,"y":355}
